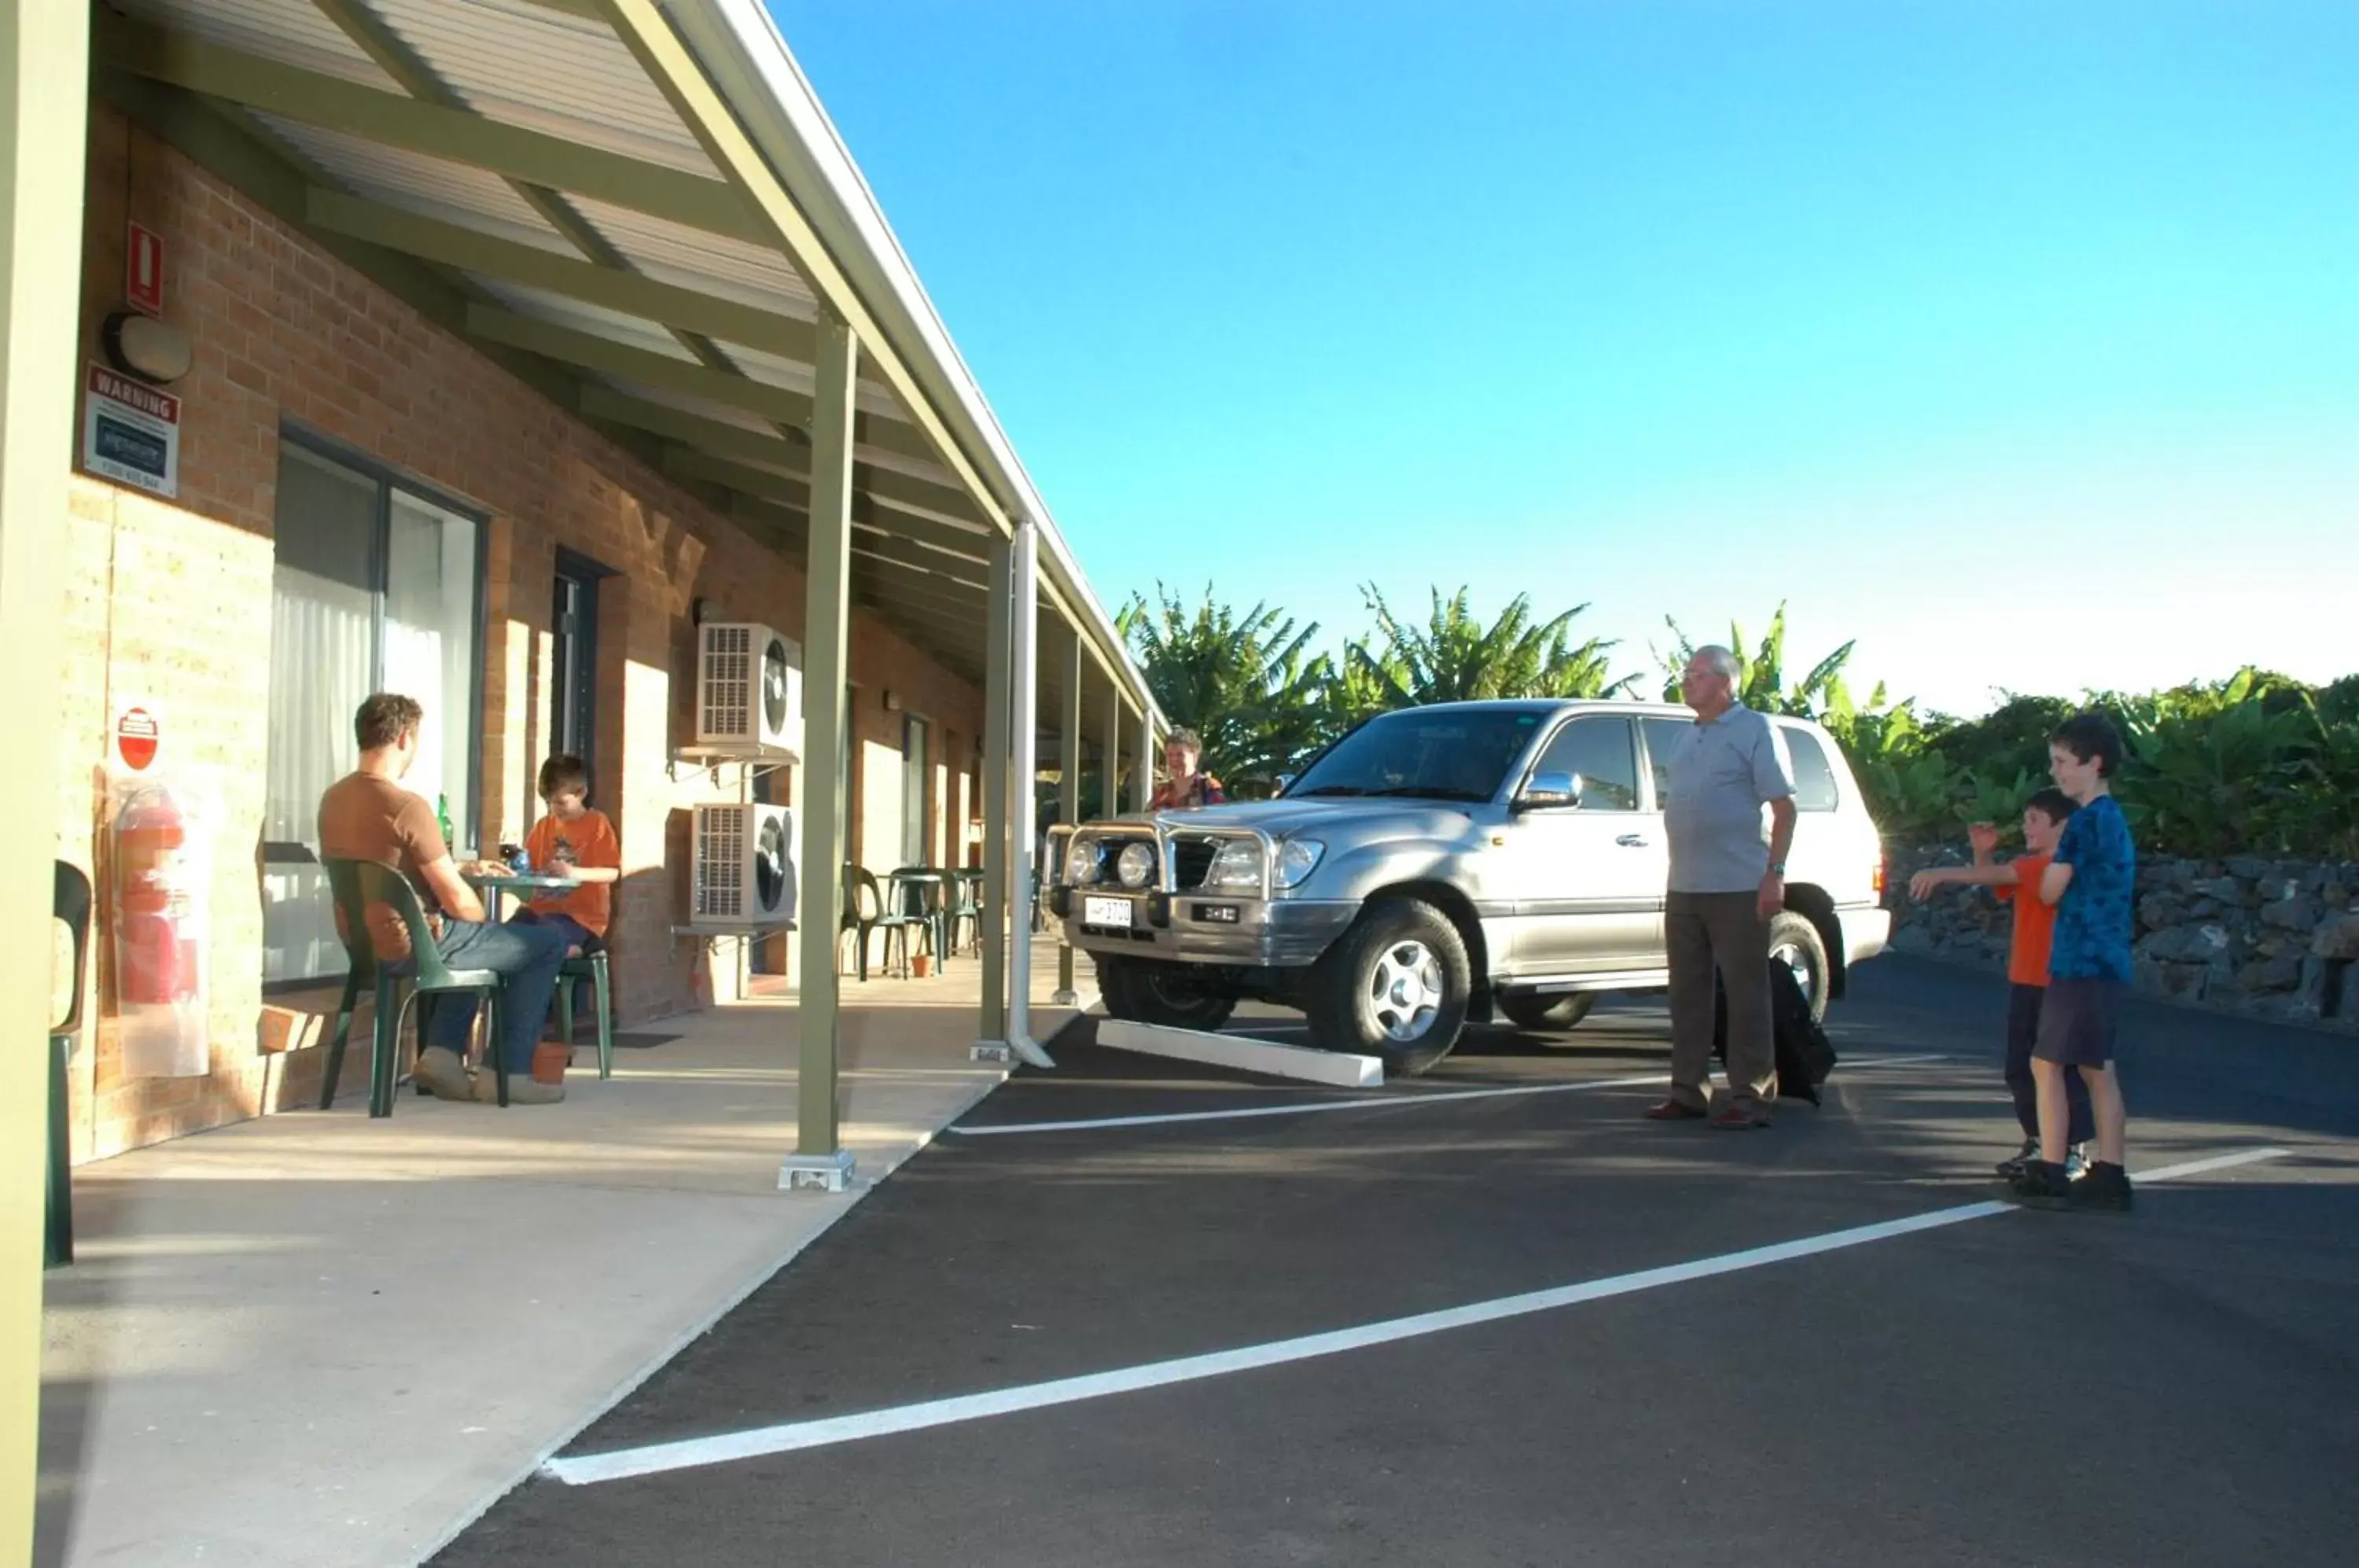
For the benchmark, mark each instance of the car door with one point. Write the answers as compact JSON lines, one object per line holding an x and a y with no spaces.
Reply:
{"x":1588,"y":877}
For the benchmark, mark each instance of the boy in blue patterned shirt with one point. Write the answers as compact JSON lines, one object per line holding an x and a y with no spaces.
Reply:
{"x":2092,"y":882}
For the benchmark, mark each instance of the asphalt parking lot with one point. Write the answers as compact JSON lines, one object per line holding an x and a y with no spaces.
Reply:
{"x":1437,"y":1325}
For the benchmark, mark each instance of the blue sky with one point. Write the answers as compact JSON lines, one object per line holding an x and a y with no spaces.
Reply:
{"x":2019,"y":342}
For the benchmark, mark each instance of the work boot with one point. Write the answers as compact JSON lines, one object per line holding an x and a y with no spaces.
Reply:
{"x":524,"y":1089}
{"x":443,"y":1073}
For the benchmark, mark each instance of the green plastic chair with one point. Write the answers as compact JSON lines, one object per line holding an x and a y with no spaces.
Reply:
{"x":71,"y":905}
{"x":357,"y":884}
{"x":590,"y":967}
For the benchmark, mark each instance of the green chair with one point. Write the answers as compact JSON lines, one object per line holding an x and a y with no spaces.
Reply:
{"x":866,"y":910}
{"x":357,"y":884}
{"x":71,"y":906}
{"x":590,"y":967}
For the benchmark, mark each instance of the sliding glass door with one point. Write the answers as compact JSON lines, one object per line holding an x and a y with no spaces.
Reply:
{"x":378,"y":587}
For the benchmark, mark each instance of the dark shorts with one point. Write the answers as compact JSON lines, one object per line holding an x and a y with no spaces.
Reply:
{"x":2076,"y":1022}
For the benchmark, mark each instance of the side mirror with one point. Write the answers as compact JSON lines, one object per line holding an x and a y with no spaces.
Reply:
{"x":1548,"y":790}
{"x":1285,"y":782}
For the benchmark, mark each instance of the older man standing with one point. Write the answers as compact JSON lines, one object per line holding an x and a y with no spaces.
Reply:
{"x":1726,"y":884}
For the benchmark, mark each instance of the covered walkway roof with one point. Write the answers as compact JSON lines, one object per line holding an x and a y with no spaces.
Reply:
{"x":640,"y":209}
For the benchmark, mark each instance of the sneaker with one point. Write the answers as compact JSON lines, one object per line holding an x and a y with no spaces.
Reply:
{"x":2076,"y":1163}
{"x":2009,"y":1169}
{"x":2106,"y":1188}
{"x":524,"y":1089}
{"x":441,"y":1073}
{"x":2040,"y":1186}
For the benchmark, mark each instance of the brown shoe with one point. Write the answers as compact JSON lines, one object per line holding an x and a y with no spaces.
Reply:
{"x":1736,"y":1118}
{"x":1674,"y":1111}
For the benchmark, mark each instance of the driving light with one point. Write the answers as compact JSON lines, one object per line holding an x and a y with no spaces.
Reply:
{"x":1081,"y":862}
{"x":1137,"y":867}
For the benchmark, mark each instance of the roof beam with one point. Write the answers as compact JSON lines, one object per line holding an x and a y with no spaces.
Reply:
{"x":455,"y":135}
{"x":512,"y":261}
{"x":794,"y":491}
{"x":648,"y":34}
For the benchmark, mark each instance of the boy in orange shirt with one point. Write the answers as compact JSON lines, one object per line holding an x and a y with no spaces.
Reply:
{"x":2026,"y":964}
{"x":576,"y":841}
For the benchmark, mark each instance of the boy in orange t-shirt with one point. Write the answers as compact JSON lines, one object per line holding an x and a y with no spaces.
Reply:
{"x":577,"y":842}
{"x":2027,"y":963}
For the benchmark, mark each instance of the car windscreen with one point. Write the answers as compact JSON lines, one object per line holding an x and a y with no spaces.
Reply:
{"x":1423,"y":752}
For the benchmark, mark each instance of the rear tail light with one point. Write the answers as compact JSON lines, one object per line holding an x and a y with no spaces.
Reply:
{"x":1879,"y":876}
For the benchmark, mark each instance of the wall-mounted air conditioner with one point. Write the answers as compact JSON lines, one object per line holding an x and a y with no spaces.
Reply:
{"x":749,"y":689}
{"x":745,"y":865}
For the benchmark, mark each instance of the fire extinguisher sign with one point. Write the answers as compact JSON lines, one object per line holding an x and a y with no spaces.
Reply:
{"x":138,"y":734}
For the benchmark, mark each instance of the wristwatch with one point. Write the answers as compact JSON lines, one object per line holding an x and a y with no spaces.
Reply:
{"x":1776,"y":869}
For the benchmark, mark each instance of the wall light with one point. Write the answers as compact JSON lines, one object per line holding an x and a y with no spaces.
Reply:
{"x":145,"y":347}
{"x":892,"y":703}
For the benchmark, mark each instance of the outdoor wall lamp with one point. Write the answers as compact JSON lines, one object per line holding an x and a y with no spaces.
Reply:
{"x":892,"y":703}
{"x":145,"y":347}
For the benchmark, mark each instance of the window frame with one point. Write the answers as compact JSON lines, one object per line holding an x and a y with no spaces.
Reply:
{"x":1792,"y":731}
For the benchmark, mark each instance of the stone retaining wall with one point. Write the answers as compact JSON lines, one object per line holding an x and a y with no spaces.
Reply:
{"x":2272,"y":938}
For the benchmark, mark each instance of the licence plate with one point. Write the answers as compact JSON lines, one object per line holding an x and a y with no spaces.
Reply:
{"x":1113,"y":913}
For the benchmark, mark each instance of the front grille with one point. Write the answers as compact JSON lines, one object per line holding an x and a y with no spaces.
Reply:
{"x":1191,"y":861}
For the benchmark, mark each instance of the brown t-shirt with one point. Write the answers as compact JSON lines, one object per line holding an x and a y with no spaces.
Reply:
{"x":364,"y":816}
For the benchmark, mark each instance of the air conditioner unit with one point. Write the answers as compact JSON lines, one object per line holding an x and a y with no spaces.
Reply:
{"x":745,"y":865}
{"x":749,"y":687}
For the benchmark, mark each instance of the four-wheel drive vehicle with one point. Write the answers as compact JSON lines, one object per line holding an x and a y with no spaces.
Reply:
{"x":1440,"y":863}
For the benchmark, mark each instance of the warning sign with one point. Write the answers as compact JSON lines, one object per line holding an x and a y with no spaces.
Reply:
{"x":131,"y":433}
{"x":137,"y":735}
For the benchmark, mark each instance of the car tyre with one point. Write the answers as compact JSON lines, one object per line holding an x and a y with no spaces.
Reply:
{"x":1149,"y":991}
{"x":1795,"y":942}
{"x":1543,"y":1014}
{"x":1394,"y":986}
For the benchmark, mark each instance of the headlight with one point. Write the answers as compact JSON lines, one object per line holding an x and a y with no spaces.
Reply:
{"x":1297,"y":858}
{"x":1237,"y":866}
{"x":1082,"y":862}
{"x":1137,"y":867}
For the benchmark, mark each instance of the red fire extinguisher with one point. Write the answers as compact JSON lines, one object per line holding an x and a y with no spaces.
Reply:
{"x":158,"y":965}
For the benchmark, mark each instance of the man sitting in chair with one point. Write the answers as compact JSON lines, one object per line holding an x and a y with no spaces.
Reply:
{"x":367,"y":815}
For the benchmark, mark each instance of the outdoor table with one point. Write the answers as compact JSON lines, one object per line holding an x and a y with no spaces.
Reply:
{"x":493,"y":883}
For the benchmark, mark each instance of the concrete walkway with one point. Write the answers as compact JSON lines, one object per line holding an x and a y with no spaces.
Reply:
{"x":314,"y":1339}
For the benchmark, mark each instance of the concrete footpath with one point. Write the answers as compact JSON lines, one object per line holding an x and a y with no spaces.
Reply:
{"x":314,"y":1339}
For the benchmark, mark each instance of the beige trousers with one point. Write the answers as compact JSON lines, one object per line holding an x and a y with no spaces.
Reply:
{"x":1701,"y":933}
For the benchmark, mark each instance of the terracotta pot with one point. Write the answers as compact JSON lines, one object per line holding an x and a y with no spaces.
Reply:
{"x":548,"y":1060}
{"x":921,"y":964}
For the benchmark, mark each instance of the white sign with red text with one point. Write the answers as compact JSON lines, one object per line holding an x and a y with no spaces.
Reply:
{"x":131,"y":433}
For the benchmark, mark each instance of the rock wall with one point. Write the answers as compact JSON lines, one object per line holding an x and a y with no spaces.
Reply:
{"x":2272,"y":938}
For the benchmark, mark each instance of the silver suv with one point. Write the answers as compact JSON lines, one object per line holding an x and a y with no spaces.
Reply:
{"x":1438,"y":864}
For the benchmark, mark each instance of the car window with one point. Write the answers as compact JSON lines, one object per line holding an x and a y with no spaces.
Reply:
{"x":1662,"y":735}
{"x":1436,"y":754}
{"x":1602,"y":755}
{"x":1815,"y":788}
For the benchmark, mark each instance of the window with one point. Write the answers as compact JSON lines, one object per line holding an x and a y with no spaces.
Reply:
{"x":1602,"y":755}
{"x":1815,"y":788}
{"x":375,"y":587}
{"x":914,"y":737}
{"x":1436,"y":754}
{"x":573,"y":662}
{"x":1663,"y":737}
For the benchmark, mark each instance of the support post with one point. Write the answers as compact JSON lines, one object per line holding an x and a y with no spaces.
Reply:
{"x":44,"y":133}
{"x":1142,"y":779}
{"x":820,"y":1160}
{"x":1069,"y":792}
{"x":1022,"y":814}
{"x":1110,"y":781}
{"x":991,"y":1027}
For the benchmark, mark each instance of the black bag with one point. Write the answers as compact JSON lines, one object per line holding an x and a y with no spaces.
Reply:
{"x":1805,"y":1055}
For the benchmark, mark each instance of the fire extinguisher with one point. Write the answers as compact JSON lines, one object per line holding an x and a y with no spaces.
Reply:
{"x":158,"y":967}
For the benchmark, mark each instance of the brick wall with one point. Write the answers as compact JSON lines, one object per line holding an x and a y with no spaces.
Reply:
{"x":164,"y":599}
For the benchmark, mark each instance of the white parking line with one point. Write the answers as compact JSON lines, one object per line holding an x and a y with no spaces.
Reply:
{"x":727,"y":1447}
{"x":1312,"y":1107}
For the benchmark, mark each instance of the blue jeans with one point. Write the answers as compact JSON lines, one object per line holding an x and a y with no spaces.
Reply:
{"x":526,"y":957}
